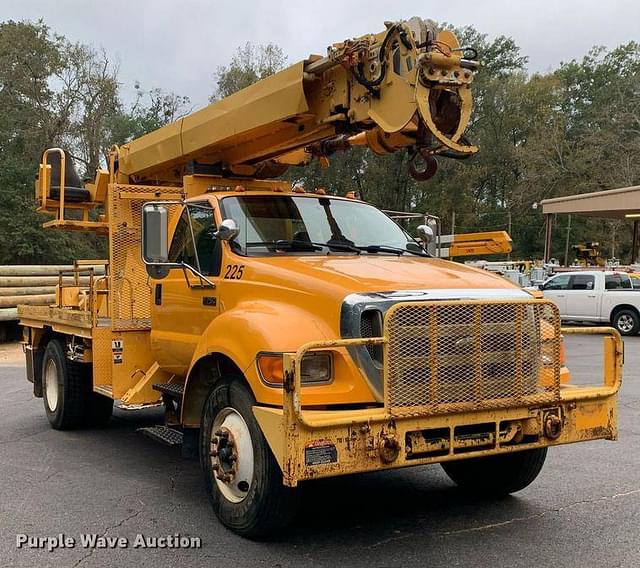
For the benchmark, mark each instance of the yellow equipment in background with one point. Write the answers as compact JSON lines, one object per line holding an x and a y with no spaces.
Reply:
{"x":588,"y":254}
{"x":482,"y":243}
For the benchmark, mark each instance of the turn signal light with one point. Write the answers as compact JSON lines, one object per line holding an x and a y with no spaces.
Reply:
{"x":316,"y":367}
{"x":271,"y":368}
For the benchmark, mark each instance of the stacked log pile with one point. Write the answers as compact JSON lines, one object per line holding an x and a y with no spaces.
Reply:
{"x":32,"y":285}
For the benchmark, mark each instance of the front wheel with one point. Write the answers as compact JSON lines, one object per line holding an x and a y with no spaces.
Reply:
{"x":242,"y":477}
{"x":626,"y":322}
{"x":496,"y":475}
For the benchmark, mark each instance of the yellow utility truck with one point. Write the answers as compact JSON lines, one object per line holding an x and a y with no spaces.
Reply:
{"x":291,"y":334}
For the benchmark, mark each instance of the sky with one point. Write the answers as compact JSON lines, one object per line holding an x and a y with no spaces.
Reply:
{"x":177,"y":45}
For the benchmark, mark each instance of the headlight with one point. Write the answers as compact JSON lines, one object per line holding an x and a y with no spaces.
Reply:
{"x":317,"y":367}
{"x":548,"y":353}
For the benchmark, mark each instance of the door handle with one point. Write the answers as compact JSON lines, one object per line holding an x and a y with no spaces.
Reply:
{"x":158,"y":295}
{"x":560,"y":296}
{"x":591,"y":296}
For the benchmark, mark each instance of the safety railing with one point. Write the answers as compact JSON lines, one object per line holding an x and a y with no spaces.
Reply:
{"x":44,"y":179}
{"x":294,"y":414}
{"x":612,"y":365}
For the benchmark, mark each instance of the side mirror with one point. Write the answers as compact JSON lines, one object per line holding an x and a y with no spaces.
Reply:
{"x":540,"y":286}
{"x":227,"y":231}
{"x":425,"y":234}
{"x":155,"y":247}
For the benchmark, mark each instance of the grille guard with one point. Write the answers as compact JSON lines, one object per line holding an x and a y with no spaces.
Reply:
{"x":588,"y":413}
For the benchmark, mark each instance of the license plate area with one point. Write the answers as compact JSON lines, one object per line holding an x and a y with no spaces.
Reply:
{"x":469,"y":438}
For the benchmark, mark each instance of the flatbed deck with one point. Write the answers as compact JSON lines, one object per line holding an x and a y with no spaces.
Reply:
{"x":64,"y":320}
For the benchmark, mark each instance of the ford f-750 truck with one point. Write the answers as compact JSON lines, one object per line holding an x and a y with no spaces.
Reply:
{"x":291,"y":334}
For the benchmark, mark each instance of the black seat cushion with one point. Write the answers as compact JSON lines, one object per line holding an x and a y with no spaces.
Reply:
{"x":73,"y":194}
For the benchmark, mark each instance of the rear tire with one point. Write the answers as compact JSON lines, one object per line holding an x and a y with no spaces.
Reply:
{"x":626,"y":321}
{"x":499,"y":475}
{"x":253,"y":502}
{"x":64,"y":388}
{"x":69,"y":400}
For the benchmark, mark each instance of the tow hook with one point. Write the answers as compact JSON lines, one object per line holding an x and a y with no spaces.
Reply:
{"x":552,"y":426}
{"x":388,"y":448}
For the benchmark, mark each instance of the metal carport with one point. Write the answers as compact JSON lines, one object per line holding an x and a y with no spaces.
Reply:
{"x":622,"y":203}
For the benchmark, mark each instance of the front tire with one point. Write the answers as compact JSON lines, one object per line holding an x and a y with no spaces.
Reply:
{"x":498,"y":475}
{"x":626,"y":321}
{"x":242,"y":478}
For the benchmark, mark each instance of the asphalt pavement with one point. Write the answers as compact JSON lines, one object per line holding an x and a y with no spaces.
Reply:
{"x":583,"y":510}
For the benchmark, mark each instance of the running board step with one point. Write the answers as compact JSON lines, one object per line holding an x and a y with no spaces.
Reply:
{"x":163,"y":434}
{"x":173,"y":390}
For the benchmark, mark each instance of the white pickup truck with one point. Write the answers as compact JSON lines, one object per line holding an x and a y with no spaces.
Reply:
{"x":596,"y":297}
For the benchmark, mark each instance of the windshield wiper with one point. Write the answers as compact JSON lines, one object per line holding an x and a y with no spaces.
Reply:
{"x":316,"y":245}
{"x":391,"y":249}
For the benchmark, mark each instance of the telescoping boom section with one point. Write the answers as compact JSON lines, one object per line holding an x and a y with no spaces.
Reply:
{"x":405,"y":87}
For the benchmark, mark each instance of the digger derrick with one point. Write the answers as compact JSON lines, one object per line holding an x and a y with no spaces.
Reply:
{"x":237,"y":300}
{"x":405,"y":87}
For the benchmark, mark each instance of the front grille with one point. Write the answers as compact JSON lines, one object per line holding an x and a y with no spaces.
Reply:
{"x":371,"y":326}
{"x":465,"y":355}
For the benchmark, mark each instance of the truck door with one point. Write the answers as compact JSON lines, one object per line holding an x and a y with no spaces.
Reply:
{"x":556,"y":291}
{"x":582,"y":298}
{"x":183,"y":305}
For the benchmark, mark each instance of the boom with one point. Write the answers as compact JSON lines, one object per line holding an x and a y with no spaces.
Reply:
{"x":406,"y":87}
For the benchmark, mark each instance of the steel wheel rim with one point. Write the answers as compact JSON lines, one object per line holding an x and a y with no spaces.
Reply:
{"x":232,"y":464}
{"x":51,"y":387}
{"x":625,"y":323}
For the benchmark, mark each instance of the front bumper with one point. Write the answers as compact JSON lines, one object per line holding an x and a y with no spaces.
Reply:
{"x":311,"y":444}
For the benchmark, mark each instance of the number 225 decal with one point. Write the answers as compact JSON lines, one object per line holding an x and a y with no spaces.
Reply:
{"x":234,"y":271}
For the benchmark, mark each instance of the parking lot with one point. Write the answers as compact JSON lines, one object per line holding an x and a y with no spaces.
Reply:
{"x":583,"y":510}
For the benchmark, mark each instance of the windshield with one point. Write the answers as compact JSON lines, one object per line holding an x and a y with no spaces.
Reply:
{"x":309,"y":224}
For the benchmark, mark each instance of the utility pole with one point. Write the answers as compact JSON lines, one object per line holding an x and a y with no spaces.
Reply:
{"x":566,"y":243}
{"x":509,"y":229}
{"x":453,"y":228}
{"x":614,"y":236}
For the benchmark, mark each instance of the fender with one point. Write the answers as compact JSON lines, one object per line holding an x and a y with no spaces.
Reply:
{"x":234,"y":338}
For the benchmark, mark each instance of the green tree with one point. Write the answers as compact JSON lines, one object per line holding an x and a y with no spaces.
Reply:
{"x":249,"y":64}
{"x":57,"y":93}
{"x":150,"y":110}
